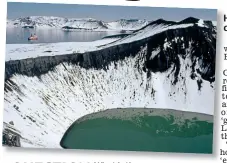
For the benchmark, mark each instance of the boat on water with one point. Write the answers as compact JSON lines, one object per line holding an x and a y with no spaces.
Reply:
{"x":33,"y":37}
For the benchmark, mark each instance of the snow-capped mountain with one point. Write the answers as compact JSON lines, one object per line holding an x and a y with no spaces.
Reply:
{"x":37,"y":21}
{"x":87,"y":24}
{"x":165,"y":64}
{"x":132,"y":24}
{"x":75,"y":24}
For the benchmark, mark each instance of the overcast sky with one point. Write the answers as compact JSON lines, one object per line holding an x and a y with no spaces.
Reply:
{"x":106,"y":13}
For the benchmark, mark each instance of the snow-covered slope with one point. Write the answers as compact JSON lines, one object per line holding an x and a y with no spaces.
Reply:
{"x":75,"y":23}
{"x":163,"y":65}
{"x":23,"y":51}
{"x":123,"y":24}
{"x":37,"y":21}
{"x":87,"y":24}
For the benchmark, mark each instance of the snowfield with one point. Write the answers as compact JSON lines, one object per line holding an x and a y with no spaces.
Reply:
{"x":23,"y":51}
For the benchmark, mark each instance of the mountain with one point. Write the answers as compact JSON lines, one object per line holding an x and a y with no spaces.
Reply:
{"x":75,"y":24}
{"x":132,"y":24}
{"x":37,"y":21}
{"x":165,"y":65}
{"x":87,"y":24}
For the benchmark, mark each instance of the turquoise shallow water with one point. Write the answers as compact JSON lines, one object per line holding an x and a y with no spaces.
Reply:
{"x":169,"y":132}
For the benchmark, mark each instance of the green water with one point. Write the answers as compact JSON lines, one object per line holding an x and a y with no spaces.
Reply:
{"x":141,"y":133}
